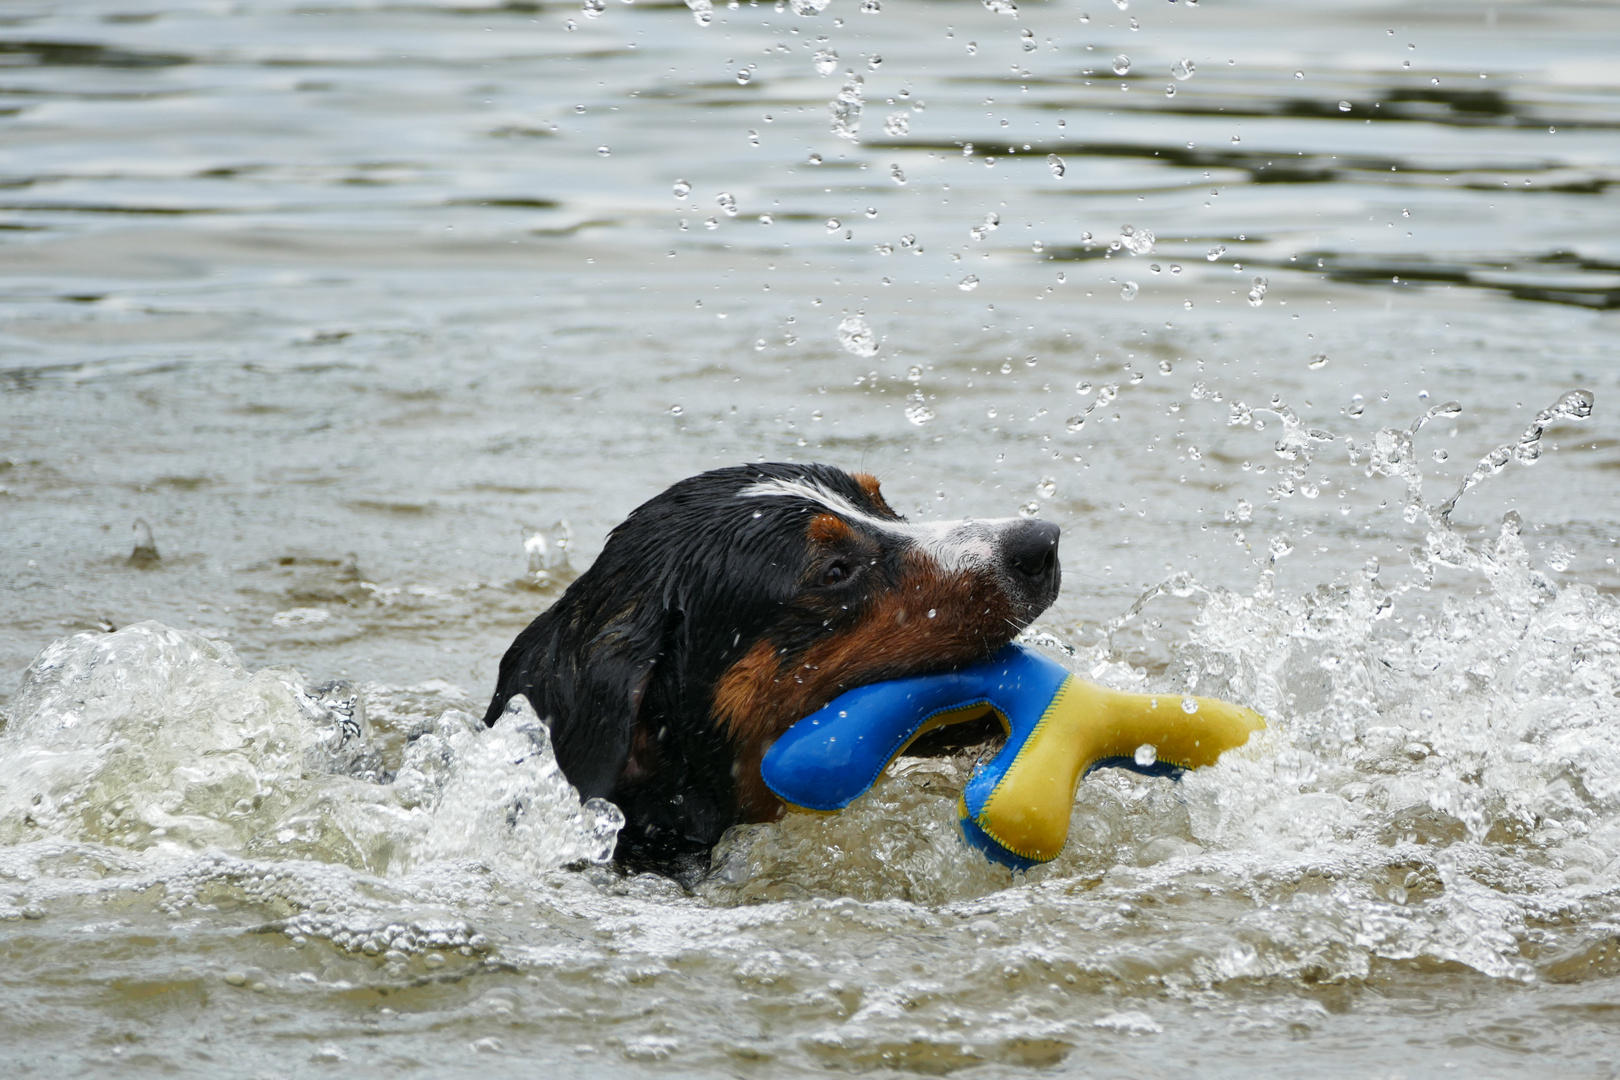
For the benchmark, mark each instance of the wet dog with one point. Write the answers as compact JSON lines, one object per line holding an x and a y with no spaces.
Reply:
{"x":733,"y":604}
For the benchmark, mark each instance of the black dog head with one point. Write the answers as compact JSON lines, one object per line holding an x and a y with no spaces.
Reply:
{"x":738,"y":601}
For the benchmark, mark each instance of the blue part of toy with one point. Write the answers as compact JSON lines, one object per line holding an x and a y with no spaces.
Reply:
{"x":831,"y":757}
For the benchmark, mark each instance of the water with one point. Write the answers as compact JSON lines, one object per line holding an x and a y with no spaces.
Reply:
{"x":331,"y":346}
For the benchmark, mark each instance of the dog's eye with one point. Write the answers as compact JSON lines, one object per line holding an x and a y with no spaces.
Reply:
{"x":837,"y":572}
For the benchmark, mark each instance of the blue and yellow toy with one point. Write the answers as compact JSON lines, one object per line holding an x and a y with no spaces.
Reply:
{"x":1015,"y":806}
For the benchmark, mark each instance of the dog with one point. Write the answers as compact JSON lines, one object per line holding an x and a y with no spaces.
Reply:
{"x":733,"y":604}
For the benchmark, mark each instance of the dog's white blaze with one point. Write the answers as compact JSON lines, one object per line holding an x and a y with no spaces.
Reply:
{"x":953,"y":546}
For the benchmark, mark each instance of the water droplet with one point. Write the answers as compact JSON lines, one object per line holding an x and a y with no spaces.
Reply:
{"x":1029,"y":509}
{"x":1128,"y":290}
{"x":1136,"y":241}
{"x":1358,"y":405}
{"x":1318,"y":360}
{"x":1002,"y":7}
{"x":809,"y":7}
{"x":914,"y":373}
{"x":1280,"y":546}
{"x":1299,"y":74}
{"x":1243,"y":514}
{"x":857,"y":337}
{"x":897,"y":123}
{"x":683,"y":188}
{"x":1075,"y":423}
{"x":1344,"y":106}
{"x":1257,"y":292}
{"x":814,"y":159}
{"x":833,"y":224}
{"x":1046,"y":487}
{"x":968,"y":284}
{"x":1146,"y":755}
{"x":932,"y":613}
{"x":1169,"y":89}
{"x":897,"y":174}
{"x":1183,"y":70}
{"x":846,"y":108}
{"x":825,"y":61}
{"x":1189,"y":704}
{"x":765,"y":219}
{"x":604,"y":151}
{"x":676,"y":410}
{"x":593,"y":8}
{"x":917,"y":410}
{"x":1028,"y":38}
{"x":1122,"y":64}
{"x":702,"y":11}
{"x":1215,"y":252}
{"x":1164,"y":367}
{"x":727,"y":202}
{"x":744,"y":76}
{"x":1055,"y":163}
{"x":874,"y":62}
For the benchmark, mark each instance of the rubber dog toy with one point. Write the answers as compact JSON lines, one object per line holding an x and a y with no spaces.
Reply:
{"x":1016,"y":806}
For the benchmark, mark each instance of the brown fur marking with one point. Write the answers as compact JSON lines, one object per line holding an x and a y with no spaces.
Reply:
{"x":762,"y":695}
{"x":828,"y":529}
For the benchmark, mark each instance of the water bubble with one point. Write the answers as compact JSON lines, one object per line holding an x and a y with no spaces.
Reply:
{"x":897,"y":174}
{"x":917,"y":410}
{"x":727,"y":203}
{"x":1046,"y":487}
{"x":846,"y":108}
{"x":1122,"y":64}
{"x":825,"y":61}
{"x":1215,"y":252}
{"x":897,"y":123}
{"x":1128,"y":290}
{"x":1134,"y":240}
{"x":968,"y":284}
{"x":1257,"y":291}
{"x":856,"y":337}
{"x":683,"y":188}
{"x":1318,"y":361}
{"x":1146,"y":755}
{"x":1055,"y":163}
{"x":1344,"y":106}
{"x":1189,"y":704}
{"x":1183,"y":70}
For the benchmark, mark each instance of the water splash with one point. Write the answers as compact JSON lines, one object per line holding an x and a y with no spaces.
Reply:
{"x":856,"y":337}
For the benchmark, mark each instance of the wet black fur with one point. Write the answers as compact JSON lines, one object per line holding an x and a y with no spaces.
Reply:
{"x":624,"y":665}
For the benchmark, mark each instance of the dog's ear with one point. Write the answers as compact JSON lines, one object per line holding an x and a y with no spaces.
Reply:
{"x":586,"y":674}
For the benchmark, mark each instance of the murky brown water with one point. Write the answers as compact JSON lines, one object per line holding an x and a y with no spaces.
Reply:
{"x":347,"y":302}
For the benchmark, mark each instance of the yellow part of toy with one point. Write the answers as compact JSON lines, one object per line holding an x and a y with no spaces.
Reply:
{"x":1027,"y":812}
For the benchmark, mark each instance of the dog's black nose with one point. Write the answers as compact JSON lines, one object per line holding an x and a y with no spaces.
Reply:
{"x":1029,"y":549}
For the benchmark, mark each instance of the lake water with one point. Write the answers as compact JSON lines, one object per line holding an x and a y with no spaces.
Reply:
{"x":377,"y":316}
